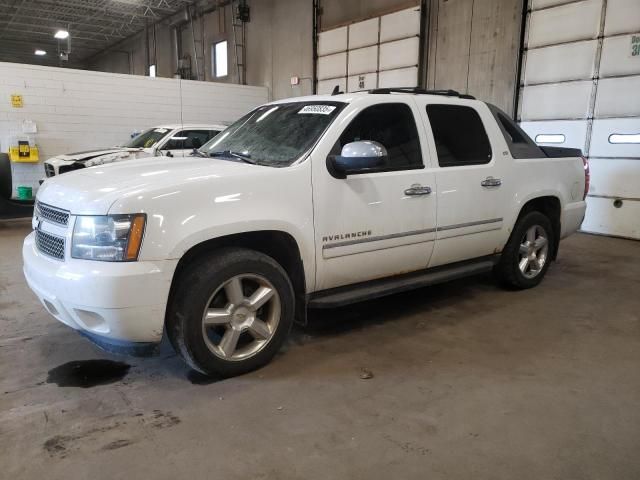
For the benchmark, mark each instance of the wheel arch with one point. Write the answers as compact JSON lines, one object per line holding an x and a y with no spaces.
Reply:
{"x":277,"y":244}
{"x":550,"y":206}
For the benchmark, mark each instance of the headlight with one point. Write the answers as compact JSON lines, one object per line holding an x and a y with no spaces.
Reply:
{"x":108,"y":238}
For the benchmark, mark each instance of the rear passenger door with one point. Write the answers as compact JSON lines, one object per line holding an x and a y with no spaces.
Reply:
{"x":472,"y":180}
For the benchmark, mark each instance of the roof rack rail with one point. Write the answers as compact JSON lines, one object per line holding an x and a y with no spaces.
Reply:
{"x":421,"y":91}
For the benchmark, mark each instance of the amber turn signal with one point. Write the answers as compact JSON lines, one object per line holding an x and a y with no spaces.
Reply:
{"x":135,"y":236}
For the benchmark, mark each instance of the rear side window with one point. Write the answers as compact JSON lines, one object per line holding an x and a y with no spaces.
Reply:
{"x":392,"y":125}
{"x":459,"y":135}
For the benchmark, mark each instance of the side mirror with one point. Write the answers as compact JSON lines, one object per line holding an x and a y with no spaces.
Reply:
{"x":357,"y":157}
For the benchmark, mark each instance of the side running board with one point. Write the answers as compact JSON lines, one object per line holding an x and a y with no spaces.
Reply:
{"x":338,"y":297}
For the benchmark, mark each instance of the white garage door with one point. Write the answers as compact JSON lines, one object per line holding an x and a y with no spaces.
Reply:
{"x":378,"y":52}
{"x":581,"y":88}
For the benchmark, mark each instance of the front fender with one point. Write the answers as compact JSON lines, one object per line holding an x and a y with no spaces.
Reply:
{"x":183,"y":216}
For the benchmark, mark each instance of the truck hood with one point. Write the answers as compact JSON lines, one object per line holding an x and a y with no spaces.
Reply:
{"x":91,"y":154}
{"x":93,"y":191}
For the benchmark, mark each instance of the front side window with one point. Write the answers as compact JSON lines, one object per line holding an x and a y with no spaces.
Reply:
{"x":189,"y":139}
{"x":274,"y":135}
{"x":147,"y":139}
{"x":459,"y":135}
{"x":393,"y":126}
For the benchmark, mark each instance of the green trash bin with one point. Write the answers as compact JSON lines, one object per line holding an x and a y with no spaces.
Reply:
{"x":25,"y":193}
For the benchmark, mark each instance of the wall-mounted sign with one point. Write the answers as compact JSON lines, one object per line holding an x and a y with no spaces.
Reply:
{"x":635,"y":45}
{"x":16,"y":101}
{"x":24,"y":149}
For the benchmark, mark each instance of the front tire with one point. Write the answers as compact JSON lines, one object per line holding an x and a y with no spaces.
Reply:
{"x":231,"y":312}
{"x":527,"y":255}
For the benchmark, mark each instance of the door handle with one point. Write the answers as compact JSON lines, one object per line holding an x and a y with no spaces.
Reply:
{"x":415,"y":190}
{"x":491,"y":182}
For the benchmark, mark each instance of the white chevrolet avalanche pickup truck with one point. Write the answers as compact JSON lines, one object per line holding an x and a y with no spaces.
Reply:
{"x":312,"y":202}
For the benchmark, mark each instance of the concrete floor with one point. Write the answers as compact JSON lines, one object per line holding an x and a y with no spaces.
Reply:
{"x":469,"y":381}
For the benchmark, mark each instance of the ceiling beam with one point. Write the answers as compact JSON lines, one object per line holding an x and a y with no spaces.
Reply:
{"x":94,"y":25}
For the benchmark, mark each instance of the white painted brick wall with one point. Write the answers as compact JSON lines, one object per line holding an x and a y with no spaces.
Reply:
{"x":77,"y":110}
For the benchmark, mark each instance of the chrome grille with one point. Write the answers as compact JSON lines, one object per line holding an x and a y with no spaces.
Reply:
{"x":50,"y":245}
{"x":52,"y":214}
{"x":49,"y":171}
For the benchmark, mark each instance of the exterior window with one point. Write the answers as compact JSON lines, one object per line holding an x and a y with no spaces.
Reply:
{"x":220,"y":65}
{"x":393,"y":126}
{"x":550,"y":138}
{"x":624,"y":138}
{"x":152,"y":70}
{"x":147,"y":139}
{"x":189,"y":139}
{"x":515,"y":135}
{"x":276,"y":135}
{"x":459,"y":135}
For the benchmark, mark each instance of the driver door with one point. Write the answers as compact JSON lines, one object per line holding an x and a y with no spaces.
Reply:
{"x":373,"y":224}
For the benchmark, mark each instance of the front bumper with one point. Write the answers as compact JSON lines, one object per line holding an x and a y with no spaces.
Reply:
{"x":116,"y":303}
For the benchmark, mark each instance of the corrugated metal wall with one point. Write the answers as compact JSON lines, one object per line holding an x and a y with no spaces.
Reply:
{"x":474,"y":47}
{"x":381,"y":51}
{"x":471,"y":46}
{"x":580,"y":84}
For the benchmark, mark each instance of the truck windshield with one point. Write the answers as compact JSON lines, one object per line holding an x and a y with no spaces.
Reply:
{"x":147,"y":139}
{"x":274,"y":135}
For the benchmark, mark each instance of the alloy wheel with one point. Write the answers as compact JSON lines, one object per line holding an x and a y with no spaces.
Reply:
{"x":534,"y":250}
{"x":241,"y":317}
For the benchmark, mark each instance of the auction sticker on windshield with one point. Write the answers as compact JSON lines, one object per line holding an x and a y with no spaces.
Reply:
{"x":318,"y":109}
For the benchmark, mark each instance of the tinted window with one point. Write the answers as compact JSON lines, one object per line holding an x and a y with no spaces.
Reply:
{"x":519,"y":143}
{"x":189,"y":139}
{"x":392,"y":125}
{"x":459,"y":135}
{"x":514,"y":134}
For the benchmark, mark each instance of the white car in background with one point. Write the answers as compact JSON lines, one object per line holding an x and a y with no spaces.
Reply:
{"x":165,"y":140}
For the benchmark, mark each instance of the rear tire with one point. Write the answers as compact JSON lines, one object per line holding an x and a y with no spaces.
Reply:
{"x":528,"y":253}
{"x":231,"y":312}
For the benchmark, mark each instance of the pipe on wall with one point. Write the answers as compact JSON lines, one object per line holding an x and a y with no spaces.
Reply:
{"x":424,"y":44}
{"x":175,"y":41}
{"x":520,"y":67}
{"x":147,"y":55}
{"x":316,"y":30}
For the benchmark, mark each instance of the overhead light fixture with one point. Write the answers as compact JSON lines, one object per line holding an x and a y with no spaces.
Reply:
{"x":40,"y":52}
{"x":61,"y":34}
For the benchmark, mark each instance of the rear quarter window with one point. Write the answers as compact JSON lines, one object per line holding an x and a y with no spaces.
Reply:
{"x":519,"y":143}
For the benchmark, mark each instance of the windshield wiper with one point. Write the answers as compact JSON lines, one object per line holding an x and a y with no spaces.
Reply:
{"x":197,"y":153}
{"x":229,"y":153}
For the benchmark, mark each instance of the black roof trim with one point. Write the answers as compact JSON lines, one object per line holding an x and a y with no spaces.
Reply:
{"x":422,"y":91}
